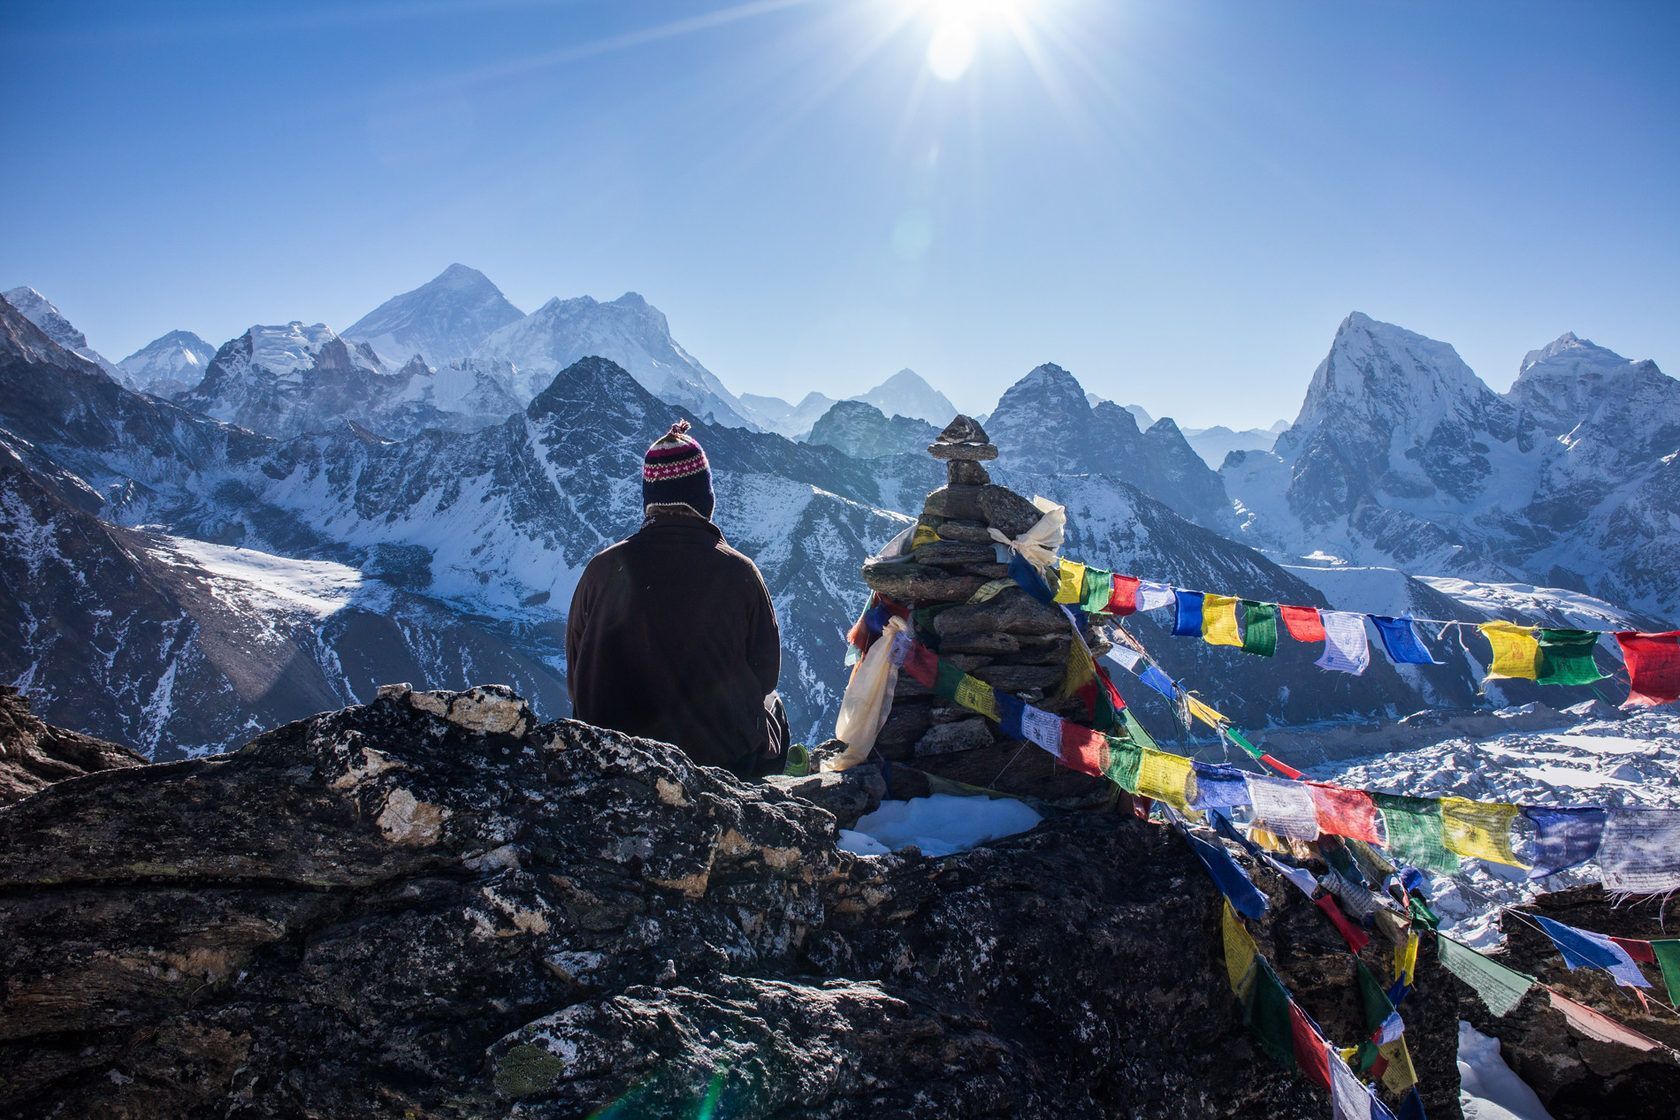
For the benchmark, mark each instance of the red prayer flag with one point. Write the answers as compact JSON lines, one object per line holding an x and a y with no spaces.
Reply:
{"x":1303,"y":623}
{"x":1083,"y":750}
{"x":1355,"y":937}
{"x":1346,"y":812}
{"x":1310,"y":1054}
{"x":1114,"y":697}
{"x":1653,"y":664}
{"x":1638,"y":950}
{"x":1123,"y":599}
{"x":922,"y":664}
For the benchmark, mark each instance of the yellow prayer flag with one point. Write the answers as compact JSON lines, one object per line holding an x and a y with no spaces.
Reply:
{"x":924,"y":534}
{"x":1479,"y":829}
{"x":1219,"y":621}
{"x":1201,"y":711}
{"x":1081,"y":670}
{"x":1516,"y":652}
{"x":1405,"y":959}
{"x":1399,"y":1075}
{"x":1070,"y":582}
{"x":1240,"y":952}
{"x":977,"y":696}
{"x":1165,"y":777}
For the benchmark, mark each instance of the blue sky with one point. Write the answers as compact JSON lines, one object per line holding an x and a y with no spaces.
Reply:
{"x":1178,"y":201}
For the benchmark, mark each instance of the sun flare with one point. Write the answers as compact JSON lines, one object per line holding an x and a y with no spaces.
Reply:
{"x":957,"y":27}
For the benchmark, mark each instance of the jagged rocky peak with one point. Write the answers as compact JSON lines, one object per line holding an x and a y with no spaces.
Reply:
{"x":434,"y":905}
{"x":907,"y":393}
{"x":1565,"y":382}
{"x":1381,"y":373}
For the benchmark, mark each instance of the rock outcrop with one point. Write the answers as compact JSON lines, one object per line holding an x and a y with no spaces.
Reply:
{"x":430,"y":906}
{"x":33,"y":754}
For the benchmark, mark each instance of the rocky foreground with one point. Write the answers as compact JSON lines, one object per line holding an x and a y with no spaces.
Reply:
{"x":433,"y":906}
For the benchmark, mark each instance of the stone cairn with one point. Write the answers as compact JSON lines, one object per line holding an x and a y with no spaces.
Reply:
{"x":1011,"y":641}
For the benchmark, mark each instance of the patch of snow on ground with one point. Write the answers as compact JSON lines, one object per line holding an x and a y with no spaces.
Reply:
{"x":1487,"y":1089}
{"x":939,"y":825}
{"x":314,"y":587}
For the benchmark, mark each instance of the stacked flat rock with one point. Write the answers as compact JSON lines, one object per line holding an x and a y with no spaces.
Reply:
{"x":1011,"y":641}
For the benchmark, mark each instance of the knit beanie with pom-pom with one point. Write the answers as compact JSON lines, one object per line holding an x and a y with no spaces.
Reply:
{"x":675,"y":470}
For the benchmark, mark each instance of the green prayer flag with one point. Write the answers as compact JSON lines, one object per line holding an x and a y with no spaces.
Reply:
{"x":1499,"y":987}
{"x":1423,"y":915}
{"x":1259,"y":627}
{"x":1566,"y":657}
{"x":1125,"y":758}
{"x":1267,"y":1015}
{"x":1249,"y":748}
{"x":1135,"y":731}
{"x":949,"y":679}
{"x":1099,"y":587}
{"x":1378,"y":1007}
{"x":1668,"y":959}
{"x":1415,"y":834}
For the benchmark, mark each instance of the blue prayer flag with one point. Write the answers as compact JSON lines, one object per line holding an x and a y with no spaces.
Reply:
{"x":1582,"y":949}
{"x":1159,"y":681}
{"x":1187,"y":622}
{"x":1219,"y":787}
{"x":1563,"y":837}
{"x":1412,"y":1107}
{"x":1233,"y":882}
{"x":1010,"y":709}
{"x":1027,"y":576}
{"x":1400,"y":639}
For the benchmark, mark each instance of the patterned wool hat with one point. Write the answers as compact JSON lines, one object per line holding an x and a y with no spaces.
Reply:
{"x":675,"y":470}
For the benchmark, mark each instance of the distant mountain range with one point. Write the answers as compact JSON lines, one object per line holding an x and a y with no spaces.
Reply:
{"x":321,"y":512}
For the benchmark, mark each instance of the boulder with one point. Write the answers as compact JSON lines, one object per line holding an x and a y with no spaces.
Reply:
{"x":966,"y":472}
{"x":959,"y":502}
{"x":1006,"y":511}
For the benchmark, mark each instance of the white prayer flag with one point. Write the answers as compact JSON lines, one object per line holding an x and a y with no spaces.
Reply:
{"x":1347,"y":649}
{"x":1348,"y":1097}
{"x":1043,"y":728}
{"x":1125,"y":656}
{"x":1283,"y":807}
{"x":1153,"y":596}
{"x":1641,"y":851}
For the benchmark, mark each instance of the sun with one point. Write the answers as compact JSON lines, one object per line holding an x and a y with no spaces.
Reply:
{"x":958,"y":26}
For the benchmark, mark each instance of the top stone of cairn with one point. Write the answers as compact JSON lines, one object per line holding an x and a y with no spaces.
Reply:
{"x":963,"y":438}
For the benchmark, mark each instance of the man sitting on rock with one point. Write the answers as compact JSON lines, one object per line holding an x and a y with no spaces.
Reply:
{"x":672,"y":635}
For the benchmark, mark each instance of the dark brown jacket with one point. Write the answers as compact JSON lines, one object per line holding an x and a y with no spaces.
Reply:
{"x":672,"y":636}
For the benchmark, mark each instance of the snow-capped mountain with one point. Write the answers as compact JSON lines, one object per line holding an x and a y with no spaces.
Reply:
{"x":1402,"y":456}
{"x":443,"y":320}
{"x":794,"y":421}
{"x":290,"y":379}
{"x":628,"y":331}
{"x":905,"y":393}
{"x":1044,"y":424}
{"x":41,"y":311}
{"x":168,"y":365}
{"x":863,"y":432}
